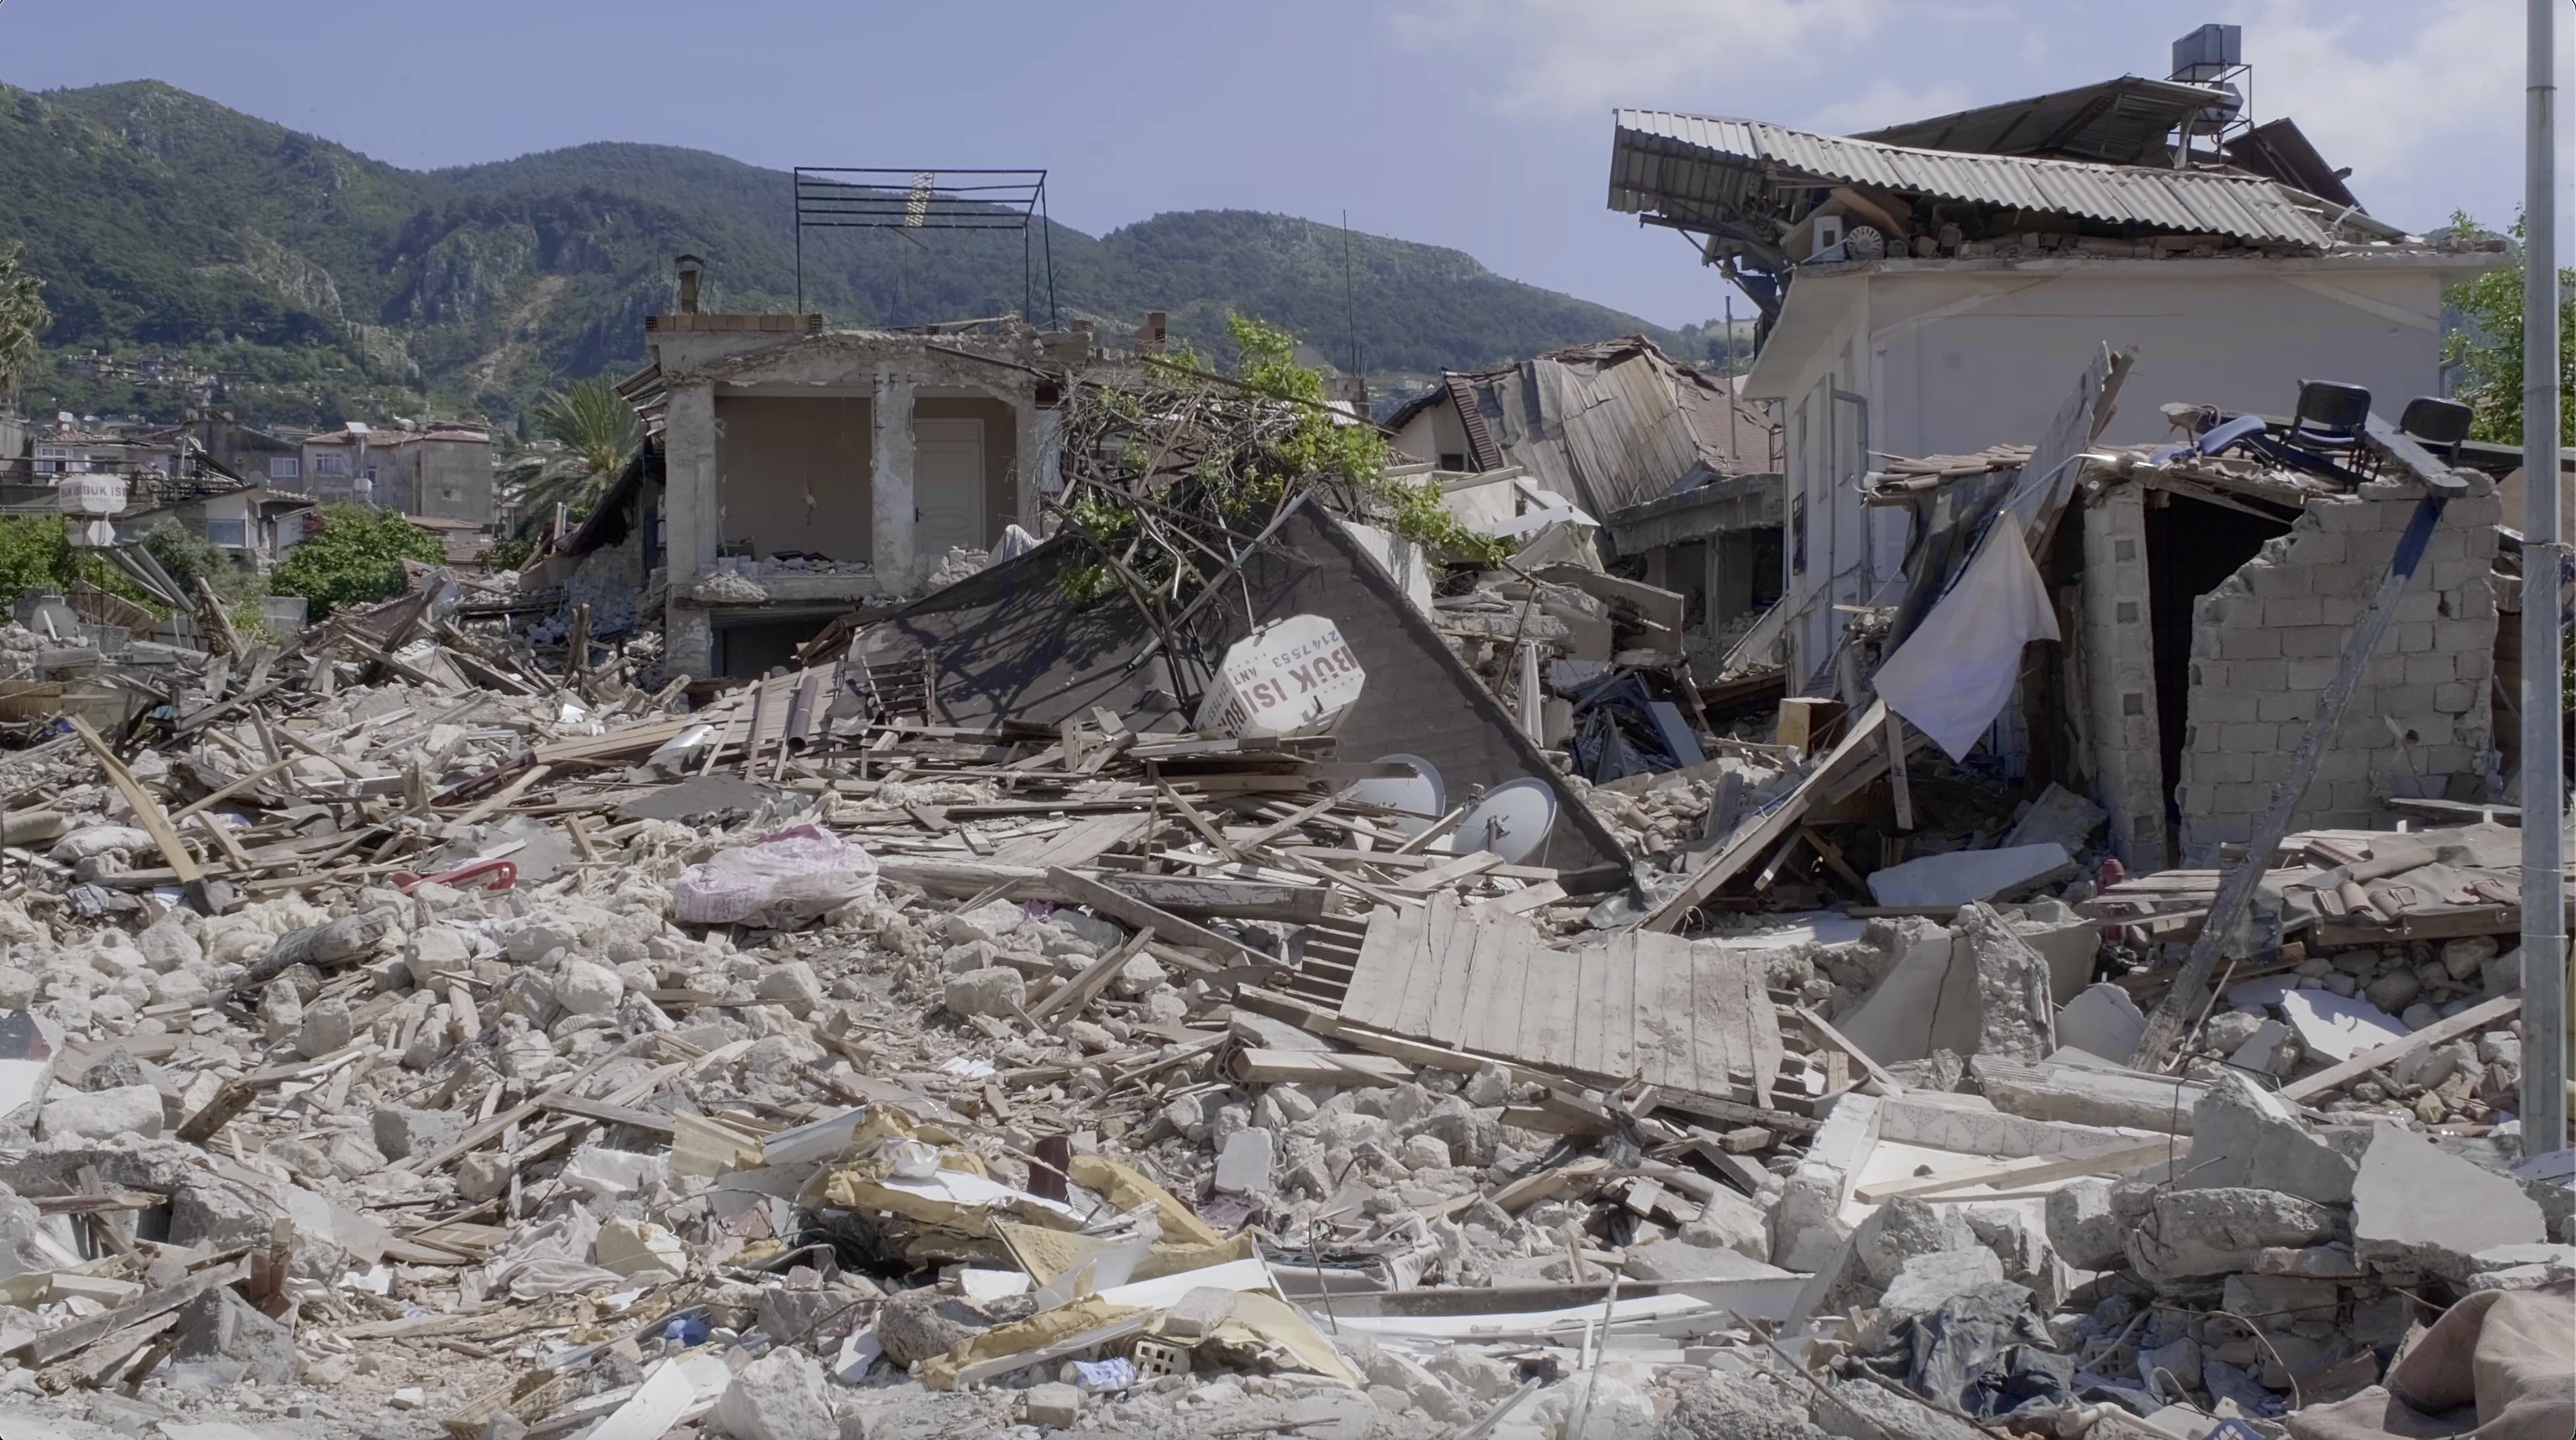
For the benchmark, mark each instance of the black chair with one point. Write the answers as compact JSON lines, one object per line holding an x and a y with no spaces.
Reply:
{"x":2330,"y":419}
{"x":2440,"y":424}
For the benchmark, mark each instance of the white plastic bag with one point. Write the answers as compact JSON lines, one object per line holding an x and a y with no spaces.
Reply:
{"x":784,"y":880}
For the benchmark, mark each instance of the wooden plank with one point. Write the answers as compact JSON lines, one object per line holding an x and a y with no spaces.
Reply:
{"x":1443,"y":876}
{"x":1860,"y":755}
{"x":1619,"y":1007}
{"x":1667,"y":1045}
{"x":1456,"y":980}
{"x":1076,"y":994}
{"x":1136,"y":914}
{"x":1317,"y":1067}
{"x":1547,"y":1022}
{"x":1493,"y":1017}
{"x":1379,"y":962}
{"x":1521,"y":902}
{"x":2033,"y":1169}
{"x":1291,"y":902}
{"x":1442,"y":934}
{"x":1831,"y":1036}
{"x":147,"y":811}
{"x":2476,"y":1017}
{"x":1897,"y":780}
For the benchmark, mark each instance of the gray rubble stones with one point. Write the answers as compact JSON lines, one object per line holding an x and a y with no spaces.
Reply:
{"x":994,"y":990}
{"x":2417,"y":1207}
{"x":1731,"y":1404}
{"x":2242,"y":1135}
{"x":325,"y":1030}
{"x":1924,"y":1282}
{"x":1424,"y":1152}
{"x":1490,"y":1086}
{"x":100,"y":1115}
{"x":585,"y":988}
{"x":1807,"y":1227}
{"x":114,"y":1069}
{"x":918,"y":1324}
{"x":2015,"y":1013}
{"x":779,"y":1396}
{"x":1243,"y":1165}
{"x":402,"y":1131}
{"x":436,"y":950}
{"x":2228,"y":1030}
{"x":1051,"y":1406}
{"x":2102,"y":1020}
{"x":792,"y":986}
{"x":221,"y":1325}
{"x":989,"y":921}
{"x":1904,"y":1228}
{"x":1138,"y":977}
{"x":167,"y":945}
{"x":483,"y":1175}
{"x":2188,"y":1234}
{"x":1728,"y":1221}
{"x":281,"y":1010}
{"x":1198,"y":1313}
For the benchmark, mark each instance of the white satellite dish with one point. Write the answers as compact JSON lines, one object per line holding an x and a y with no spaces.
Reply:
{"x":1512,"y":820}
{"x":1419,"y":798}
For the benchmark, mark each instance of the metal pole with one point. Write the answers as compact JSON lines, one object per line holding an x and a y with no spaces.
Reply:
{"x":2544,"y":918}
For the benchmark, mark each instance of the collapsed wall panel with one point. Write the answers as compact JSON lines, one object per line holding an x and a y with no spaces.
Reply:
{"x":2267,"y":641}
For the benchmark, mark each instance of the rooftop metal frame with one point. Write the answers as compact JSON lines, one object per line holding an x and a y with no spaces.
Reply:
{"x":842,"y":197}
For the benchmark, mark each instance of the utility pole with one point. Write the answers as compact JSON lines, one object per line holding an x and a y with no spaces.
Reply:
{"x":2544,"y":917}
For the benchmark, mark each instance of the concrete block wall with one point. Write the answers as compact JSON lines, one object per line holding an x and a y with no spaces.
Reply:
{"x":2267,"y":642}
{"x":2120,"y":677}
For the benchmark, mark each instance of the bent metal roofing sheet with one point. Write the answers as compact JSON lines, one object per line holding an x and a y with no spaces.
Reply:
{"x":1662,"y":161}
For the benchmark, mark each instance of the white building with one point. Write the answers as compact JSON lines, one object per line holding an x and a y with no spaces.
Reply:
{"x":1921,"y":301}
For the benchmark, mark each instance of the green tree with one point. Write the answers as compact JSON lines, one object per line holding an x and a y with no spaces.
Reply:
{"x":597,"y":432}
{"x":23,"y":318}
{"x":2489,"y":350}
{"x":188,"y":558}
{"x":36,"y":553}
{"x":357,"y":558}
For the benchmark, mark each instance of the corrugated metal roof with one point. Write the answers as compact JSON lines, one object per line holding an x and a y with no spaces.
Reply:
{"x":1662,"y":161}
{"x":2122,"y":122}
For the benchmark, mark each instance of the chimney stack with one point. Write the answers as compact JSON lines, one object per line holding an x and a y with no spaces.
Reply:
{"x":689,"y":266}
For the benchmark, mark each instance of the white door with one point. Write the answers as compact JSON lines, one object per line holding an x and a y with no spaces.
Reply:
{"x":947,"y":487}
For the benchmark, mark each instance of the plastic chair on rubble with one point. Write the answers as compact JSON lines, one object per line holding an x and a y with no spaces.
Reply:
{"x":2440,"y":424}
{"x":2330,"y":419}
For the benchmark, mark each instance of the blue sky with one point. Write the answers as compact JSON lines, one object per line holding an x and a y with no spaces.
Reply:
{"x":1481,"y":124}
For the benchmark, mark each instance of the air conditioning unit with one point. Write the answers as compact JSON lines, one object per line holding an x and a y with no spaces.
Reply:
{"x":1829,"y":241}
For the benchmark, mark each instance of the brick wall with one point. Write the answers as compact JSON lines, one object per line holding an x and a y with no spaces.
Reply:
{"x":2119,"y":660}
{"x":2266,"y":643}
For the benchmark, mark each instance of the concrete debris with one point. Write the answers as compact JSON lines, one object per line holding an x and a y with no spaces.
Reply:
{"x":401,"y":1018}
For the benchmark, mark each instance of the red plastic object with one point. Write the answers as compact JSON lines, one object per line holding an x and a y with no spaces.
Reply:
{"x":495,"y":875}
{"x":2113,"y":872}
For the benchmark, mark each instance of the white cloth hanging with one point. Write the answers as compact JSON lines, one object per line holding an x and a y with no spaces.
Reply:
{"x":1956,"y":671}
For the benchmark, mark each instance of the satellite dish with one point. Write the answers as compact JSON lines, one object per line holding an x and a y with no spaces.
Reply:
{"x":1512,"y":820}
{"x":1420,"y":796}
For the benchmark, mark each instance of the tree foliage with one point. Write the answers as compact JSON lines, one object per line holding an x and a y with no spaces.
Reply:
{"x":2489,"y":350}
{"x":596,"y":433}
{"x":187,"y":558}
{"x":356,"y":559}
{"x":36,"y":553}
{"x":23,"y":318}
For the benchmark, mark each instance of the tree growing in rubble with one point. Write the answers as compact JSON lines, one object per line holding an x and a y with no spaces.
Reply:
{"x":23,"y":318}
{"x":357,"y":558}
{"x":2488,"y":349}
{"x":594,"y":434}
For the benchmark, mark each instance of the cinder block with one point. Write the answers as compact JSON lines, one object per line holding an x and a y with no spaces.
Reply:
{"x":2480,"y":512}
{"x":2307,"y":642}
{"x":2338,"y":610}
{"x":2385,"y":669}
{"x":2319,"y":547}
{"x":2256,"y":675}
{"x":2413,"y":637}
{"x":2307,"y":674}
{"x":2419,"y":605}
{"x":2246,"y":737}
{"x":2224,"y":705}
{"x":2228,"y":767}
{"x":2343,"y":762}
{"x":2338,"y":516}
{"x":2475,"y":601}
{"x":2278,"y":580}
{"x":2403,"y":701}
{"x":2455,"y":698}
{"x":2432,"y":668}
{"x":2244,"y":799}
{"x":2297,"y":609}
{"x":2294,"y":707}
{"x":2352,"y":798}
{"x":2245,"y":642}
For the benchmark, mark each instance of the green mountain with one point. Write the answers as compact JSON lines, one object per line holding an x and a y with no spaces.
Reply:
{"x":322,"y":285}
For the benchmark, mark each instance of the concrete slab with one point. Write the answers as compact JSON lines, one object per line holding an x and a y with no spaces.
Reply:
{"x":2104,"y":1021}
{"x":2337,"y":1026}
{"x":1963,"y":875}
{"x":2417,"y":1207}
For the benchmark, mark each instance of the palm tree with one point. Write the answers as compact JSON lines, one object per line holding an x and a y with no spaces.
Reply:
{"x":595,"y":434}
{"x":23,"y":317}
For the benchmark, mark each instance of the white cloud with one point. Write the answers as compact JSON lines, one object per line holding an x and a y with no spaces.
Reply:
{"x":2423,"y":100}
{"x":1577,"y":56}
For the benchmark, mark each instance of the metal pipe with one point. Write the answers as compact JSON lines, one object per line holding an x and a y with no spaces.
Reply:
{"x":2544,"y":918}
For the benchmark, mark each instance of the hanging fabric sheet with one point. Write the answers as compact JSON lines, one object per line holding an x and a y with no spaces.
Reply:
{"x":1955,"y":672}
